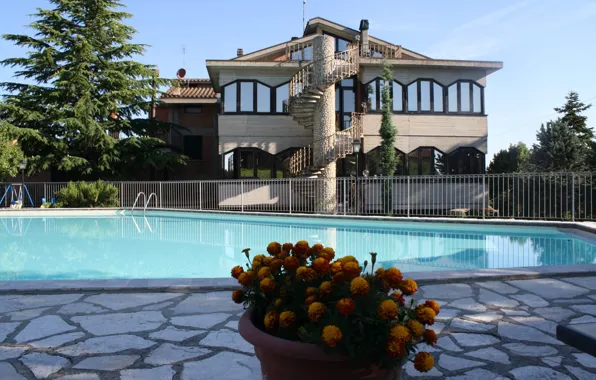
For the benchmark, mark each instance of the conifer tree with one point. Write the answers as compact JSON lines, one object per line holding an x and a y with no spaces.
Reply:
{"x":572,"y":115}
{"x":80,"y":86}
{"x":388,"y":131}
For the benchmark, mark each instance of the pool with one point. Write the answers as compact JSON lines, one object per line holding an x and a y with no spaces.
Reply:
{"x":208,"y":245}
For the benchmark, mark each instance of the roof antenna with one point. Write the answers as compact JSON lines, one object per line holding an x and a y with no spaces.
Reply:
{"x":183,"y":55}
{"x":303,"y":15}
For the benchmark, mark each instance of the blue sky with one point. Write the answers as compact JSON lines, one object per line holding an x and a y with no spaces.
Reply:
{"x":547,"y":46}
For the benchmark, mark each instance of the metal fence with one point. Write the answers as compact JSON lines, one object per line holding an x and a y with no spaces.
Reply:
{"x":552,"y":196}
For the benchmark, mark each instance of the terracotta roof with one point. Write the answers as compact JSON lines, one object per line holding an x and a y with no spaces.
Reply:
{"x":196,"y":88}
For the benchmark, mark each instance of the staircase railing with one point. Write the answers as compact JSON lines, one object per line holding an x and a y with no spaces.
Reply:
{"x":339,"y":66}
{"x":374,"y":50}
{"x":342,"y":146}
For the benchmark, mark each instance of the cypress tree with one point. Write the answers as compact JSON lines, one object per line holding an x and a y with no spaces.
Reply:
{"x":388,"y":131}
{"x":84,"y":87}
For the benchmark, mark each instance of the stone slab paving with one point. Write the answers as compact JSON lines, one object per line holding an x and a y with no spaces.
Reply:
{"x":488,"y":330}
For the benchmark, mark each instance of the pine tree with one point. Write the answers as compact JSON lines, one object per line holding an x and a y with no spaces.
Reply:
{"x":513,"y":160}
{"x":84,"y":87}
{"x":388,"y":131}
{"x":571,"y":112}
{"x":558,"y":149}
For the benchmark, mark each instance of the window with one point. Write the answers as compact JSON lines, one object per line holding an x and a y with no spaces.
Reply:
{"x":263,"y":98}
{"x":349,"y":101}
{"x":193,"y":109}
{"x":426,"y":161}
{"x":373,"y":159}
{"x":413,"y":97}
{"x":466,"y":161}
{"x":282,"y":98}
{"x":247,"y":97}
{"x":304,"y":54}
{"x":398,"y":97}
{"x":230,"y":98}
{"x":375,"y":95}
{"x":425,"y":95}
{"x":371,"y":90}
{"x":193,"y":147}
{"x":437,"y":97}
{"x":466,"y":97}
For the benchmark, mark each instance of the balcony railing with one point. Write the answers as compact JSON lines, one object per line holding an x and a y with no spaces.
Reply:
{"x":380,"y":51}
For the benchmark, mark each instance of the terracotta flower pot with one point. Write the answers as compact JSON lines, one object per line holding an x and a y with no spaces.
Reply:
{"x":289,"y":360}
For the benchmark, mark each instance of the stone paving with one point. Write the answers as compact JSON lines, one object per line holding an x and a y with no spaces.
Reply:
{"x":488,"y":330}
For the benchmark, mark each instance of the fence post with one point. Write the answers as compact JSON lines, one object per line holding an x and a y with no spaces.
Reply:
{"x":160,"y":192}
{"x":241,"y":195}
{"x":484,"y":195}
{"x":122,"y":195}
{"x":290,"y":191}
{"x":45,"y":191}
{"x":408,"y":196}
{"x":200,"y":195}
{"x":573,"y":197}
{"x":344,"y":202}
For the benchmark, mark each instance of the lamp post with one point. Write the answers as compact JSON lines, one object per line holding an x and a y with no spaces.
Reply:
{"x":356,"y":145}
{"x":23,"y":166}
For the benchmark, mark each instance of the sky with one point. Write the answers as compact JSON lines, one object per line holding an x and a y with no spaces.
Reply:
{"x":547,"y":46}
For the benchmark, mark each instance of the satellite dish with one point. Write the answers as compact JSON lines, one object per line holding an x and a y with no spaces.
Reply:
{"x":181,"y":73}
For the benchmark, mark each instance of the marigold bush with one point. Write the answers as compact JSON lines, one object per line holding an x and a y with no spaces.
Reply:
{"x":298,"y":292}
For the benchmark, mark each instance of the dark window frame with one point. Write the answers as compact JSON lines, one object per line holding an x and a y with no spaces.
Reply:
{"x":275,"y":98}
{"x":254,"y":82}
{"x":379,"y":96}
{"x":276,"y":163}
{"x":419,"y":96}
{"x":200,"y":109}
{"x":465,"y":148}
{"x":335,"y":42}
{"x":402,"y":155}
{"x":419,"y":160}
{"x":471,"y":95}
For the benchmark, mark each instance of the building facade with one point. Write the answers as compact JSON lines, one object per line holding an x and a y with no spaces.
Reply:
{"x":255,"y":109}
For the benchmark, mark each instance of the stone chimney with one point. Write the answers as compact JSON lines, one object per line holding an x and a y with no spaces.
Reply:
{"x":364,"y":36}
{"x":239,"y":52}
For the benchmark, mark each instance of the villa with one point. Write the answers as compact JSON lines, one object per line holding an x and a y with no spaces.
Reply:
{"x":255,"y":114}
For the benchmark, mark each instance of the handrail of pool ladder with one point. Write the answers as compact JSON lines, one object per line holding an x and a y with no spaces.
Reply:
{"x":148,"y":201}
{"x":136,"y":200}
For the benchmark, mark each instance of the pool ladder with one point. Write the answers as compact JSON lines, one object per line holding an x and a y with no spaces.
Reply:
{"x":145,"y":199}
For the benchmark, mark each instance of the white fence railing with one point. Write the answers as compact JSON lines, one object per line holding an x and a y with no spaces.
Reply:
{"x":554,"y":196}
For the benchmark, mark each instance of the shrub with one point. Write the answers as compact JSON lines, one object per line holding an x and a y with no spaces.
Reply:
{"x":88,"y":194}
{"x":298,"y":292}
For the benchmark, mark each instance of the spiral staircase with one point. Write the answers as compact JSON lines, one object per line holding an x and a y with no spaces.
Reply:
{"x":306,"y":90}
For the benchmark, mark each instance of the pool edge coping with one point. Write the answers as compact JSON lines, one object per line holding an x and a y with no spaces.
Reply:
{"x":214,"y":284}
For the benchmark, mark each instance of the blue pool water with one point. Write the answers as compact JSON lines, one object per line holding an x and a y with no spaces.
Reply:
{"x":209,"y":245}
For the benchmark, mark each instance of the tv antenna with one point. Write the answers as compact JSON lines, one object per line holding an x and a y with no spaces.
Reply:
{"x":303,"y":15}
{"x":184,"y":55}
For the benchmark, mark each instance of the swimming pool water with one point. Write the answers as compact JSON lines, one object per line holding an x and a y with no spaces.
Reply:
{"x":207,"y":246}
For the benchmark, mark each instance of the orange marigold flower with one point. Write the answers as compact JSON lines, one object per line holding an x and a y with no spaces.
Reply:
{"x":433,"y":305}
{"x":325,"y":288}
{"x":425,"y":315}
{"x":379,"y":273}
{"x":345,"y":306}
{"x":317,"y":248}
{"x":332,"y":335}
{"x":424,"y":362}
{"x":388,"y":310}
{"x":336,"y":267}
{"x":291,"y":263}
{"x":274,"y":248}
{"x":347,"y":259}
{"x":267,"y":261}
{"x":287,"y":247}
{"x":311,"y":291}
{"x":327,"y":253}
{"x":300,"y":250}
{"x":287,"y":319}
{"x":245,"y":279}
{"x":237,"y":296}
{"x":393,"y":276}
{"x":264,"y":272}
{"x":359,"y":287}
{"x":309,"y":300}
{"x":305,"y":274}
{"x":415,"y":327}
{"x":395,"y":348}
{"x":267,"y":285}
{"x":275,"y":265}
{"x":430,"y":337}
{"x":315,"y":311}
{"x":278,"y":302}
{"x":237,"y":271}
{"x":320,"y":265}
{"x":400,"y":333}
{"x":283,"y":254}
{"x":351,"y":270}
{"x":339,"y":278}
{"x":408,"y":286}
{"x":398,"y":297}
{"x":257,"y":262}
{"x":271,"y":319}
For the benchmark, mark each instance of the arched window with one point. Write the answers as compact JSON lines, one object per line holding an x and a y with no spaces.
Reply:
{"x":427,"y":161}
{"x":247,"y":96}
{"x":282,"y":98}
{"x":248,"y":163}
{"x":373,"y":160}
{"x":466,"y":161}
{"x":465,"y":96}
{"x":425,"y":95}
{"x":374,"y":91}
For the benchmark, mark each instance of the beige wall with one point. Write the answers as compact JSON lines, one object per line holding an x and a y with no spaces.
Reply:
{"x":446,"y":133}
{"x":406,"y":75}
{"x":271,"y":76}
{"x":272,"y":134}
